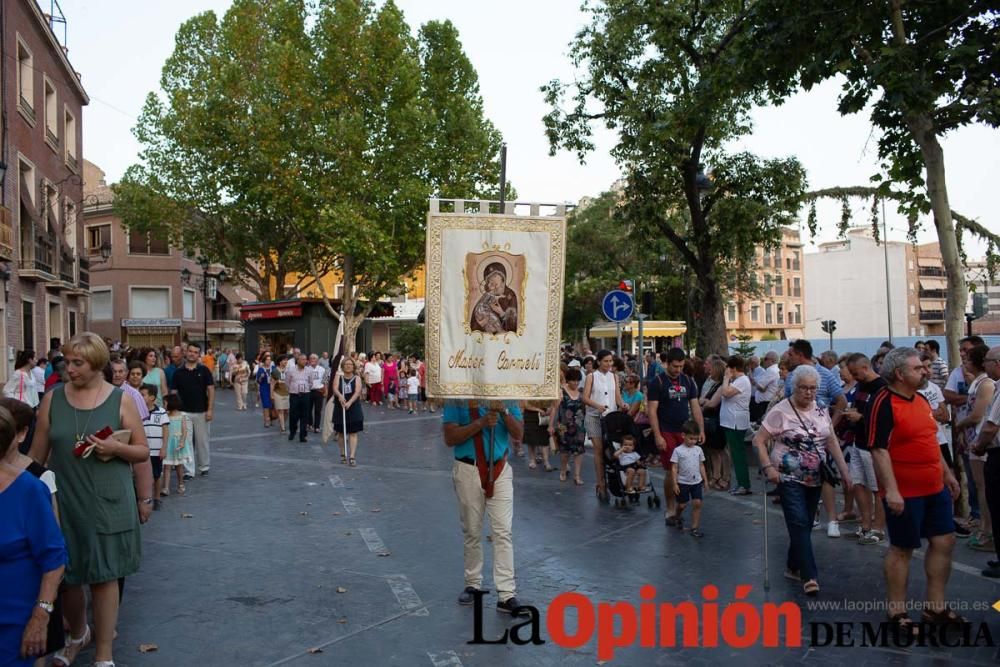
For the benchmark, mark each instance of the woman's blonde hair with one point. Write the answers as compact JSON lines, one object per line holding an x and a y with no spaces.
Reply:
{"x":90,"y":347}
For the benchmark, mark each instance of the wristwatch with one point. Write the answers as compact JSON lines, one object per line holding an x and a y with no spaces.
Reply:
{"x":45,"y":605}
{"x":146,"y":501}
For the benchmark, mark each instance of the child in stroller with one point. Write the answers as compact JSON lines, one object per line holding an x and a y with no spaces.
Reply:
{"x":618,"y":428}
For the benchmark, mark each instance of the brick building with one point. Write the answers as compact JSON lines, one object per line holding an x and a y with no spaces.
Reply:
{"x":146,"y":292}
{"x":45,"y":277}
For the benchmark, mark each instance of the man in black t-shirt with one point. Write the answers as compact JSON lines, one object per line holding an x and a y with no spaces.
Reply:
{"x":672,"y":399}
{"x":194,"y":385}
{"x":862,"y":467}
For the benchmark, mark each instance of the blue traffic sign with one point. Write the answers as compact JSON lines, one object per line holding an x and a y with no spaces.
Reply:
{"x":617,"y":305}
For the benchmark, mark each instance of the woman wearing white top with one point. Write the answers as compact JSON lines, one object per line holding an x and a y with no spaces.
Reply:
{"x":21,"y":384}
{"x":734,"y":418}
{"x":602,"y":396}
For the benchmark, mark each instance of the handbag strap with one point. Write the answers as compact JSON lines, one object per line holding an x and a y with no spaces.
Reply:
{"x":801,"y":421}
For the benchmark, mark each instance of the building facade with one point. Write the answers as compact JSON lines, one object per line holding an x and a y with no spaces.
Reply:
{"x":144,"y":291}
{"x":977,"y":276}
{"x":779,"y":310}
{"x":44,"y":274}
{"x":847,"y":282}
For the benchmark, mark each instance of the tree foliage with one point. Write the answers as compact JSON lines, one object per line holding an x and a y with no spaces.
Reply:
{"x":923,"y":68}
{"x":410,"y":340}
{"x":663,"y":77}
{"x":295,"y":138}
{"x":602,"y":249}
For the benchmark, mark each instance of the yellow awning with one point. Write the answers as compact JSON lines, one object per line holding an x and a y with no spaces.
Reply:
{"x":650,"y":329}
{"x":933,"y":283}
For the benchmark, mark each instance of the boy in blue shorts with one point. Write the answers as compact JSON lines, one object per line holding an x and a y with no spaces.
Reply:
{"x":687,"y":470}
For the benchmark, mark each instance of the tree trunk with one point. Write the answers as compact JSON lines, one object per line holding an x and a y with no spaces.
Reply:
{"x":922,"y":129}
{"x":708,"y":318}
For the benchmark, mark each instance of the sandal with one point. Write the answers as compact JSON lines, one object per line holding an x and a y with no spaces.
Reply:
{"x":562,"y":475}
{"x":60,"y":659}
{"x":578,"y":481}
{"x":904,"y":624}
{"x":946,"y":616}
{"x":811,"y":588}
{"x":343,"y":459}
{"x":548,"y":468}
{"x":354,"y":463}
{"x":181,"y":489}
{"x":532,"y":466}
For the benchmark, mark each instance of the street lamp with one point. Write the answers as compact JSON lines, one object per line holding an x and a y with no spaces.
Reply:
{"x":208,"y":282}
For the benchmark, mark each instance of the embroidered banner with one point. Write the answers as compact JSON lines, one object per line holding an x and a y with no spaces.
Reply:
{"x":494,"y":303}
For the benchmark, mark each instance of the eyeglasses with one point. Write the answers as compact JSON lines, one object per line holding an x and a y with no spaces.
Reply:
{"x":808,"y":389}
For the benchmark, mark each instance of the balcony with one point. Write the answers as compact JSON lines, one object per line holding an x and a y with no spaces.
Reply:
{"x":83,"y":273}
{"x":51,"y":137}
{"x":26,"y":108}
{"x":936,"y":294}
{"x":932,"y":316}
{"x":6,"y":234}
{"x":932,"y":272}
{"x":67,"y":269}
{"x":37,"y":256}
{"x":72,"y":163}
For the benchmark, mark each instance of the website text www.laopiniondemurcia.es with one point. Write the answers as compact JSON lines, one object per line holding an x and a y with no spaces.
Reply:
{"x":572,"y":620}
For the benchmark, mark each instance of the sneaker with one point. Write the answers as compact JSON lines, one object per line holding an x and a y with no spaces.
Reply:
{"x":670,"y":519}
{"x":697,"y":533}
{"x":856,"y":535}
{"x":204,"y":473}
{"x":816,"y":524}
{"x":513,"y":607}
{"x":961,"y":531}
{"x":188,"y":475}
{"x":871,"y":537}
{"x":984,"y":544}
{"x":468,"y":596}
{"x":833,"y":529}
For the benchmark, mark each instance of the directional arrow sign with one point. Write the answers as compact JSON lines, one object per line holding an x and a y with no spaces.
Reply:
{"x":617,"y":305}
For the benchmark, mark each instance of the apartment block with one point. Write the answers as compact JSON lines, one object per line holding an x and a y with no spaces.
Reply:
{"x":779,"y":310}
{"x":44,"y":274}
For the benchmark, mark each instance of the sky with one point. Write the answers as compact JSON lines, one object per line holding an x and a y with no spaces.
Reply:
{"x":119,"y":47}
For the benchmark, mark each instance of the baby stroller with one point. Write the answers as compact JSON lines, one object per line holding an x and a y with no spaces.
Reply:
{"x":614,"y":427}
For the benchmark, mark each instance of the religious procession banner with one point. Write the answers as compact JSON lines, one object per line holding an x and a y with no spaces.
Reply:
{"x":494,"y":303}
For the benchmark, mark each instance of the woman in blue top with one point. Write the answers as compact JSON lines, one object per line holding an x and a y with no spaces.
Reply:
{"x":32,"y":556}
{"x":263,"y":379}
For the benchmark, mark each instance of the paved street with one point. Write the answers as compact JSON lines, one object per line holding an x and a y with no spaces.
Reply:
{"x":282,"y":550}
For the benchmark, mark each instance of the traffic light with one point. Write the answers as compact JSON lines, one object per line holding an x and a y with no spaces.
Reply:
{"x":980,"y":304}
{"x":625,"y":286}
{"x":647,"y":303}
{"x":829,"y":326}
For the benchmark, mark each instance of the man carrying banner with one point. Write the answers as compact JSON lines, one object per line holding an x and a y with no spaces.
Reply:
{"x":480,"y":436}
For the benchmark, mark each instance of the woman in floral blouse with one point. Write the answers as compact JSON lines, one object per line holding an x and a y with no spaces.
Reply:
{"x":803,"y":437}
{"x":566,"y":423}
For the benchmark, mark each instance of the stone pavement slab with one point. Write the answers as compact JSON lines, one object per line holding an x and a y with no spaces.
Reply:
{"x":278,"y":528}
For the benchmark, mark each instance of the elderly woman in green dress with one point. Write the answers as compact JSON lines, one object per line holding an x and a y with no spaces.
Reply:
{"x":99,"y":505}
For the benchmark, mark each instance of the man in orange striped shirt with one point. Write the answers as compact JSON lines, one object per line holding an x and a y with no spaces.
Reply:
{"x":918,"y":486}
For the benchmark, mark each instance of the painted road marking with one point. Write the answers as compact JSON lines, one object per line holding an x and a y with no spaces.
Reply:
{"x":374,"y":542}
{"x":408,"y":598}
{"x":444,"y":659}
{"x":351,"y":505}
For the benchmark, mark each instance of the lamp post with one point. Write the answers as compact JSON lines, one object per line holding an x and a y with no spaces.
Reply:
{"x":207,"y":283}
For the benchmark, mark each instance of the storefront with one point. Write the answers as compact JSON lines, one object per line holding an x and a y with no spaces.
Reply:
{"x":148,"y":332}
{"x":657,"y":335}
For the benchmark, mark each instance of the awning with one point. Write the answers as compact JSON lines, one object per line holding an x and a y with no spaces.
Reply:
{"x":931,"y":305}
{"x":933,"y":283}
{"x":650,"y":329}
{"x":930,"y":261}
{"x":230,"y":293}
{"x":27,"y":202}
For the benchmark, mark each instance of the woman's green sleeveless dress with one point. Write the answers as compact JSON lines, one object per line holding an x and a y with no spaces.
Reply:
{"x":97,"y":504}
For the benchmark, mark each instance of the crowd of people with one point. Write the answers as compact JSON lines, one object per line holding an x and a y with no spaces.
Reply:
{"x":912,"y":445}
